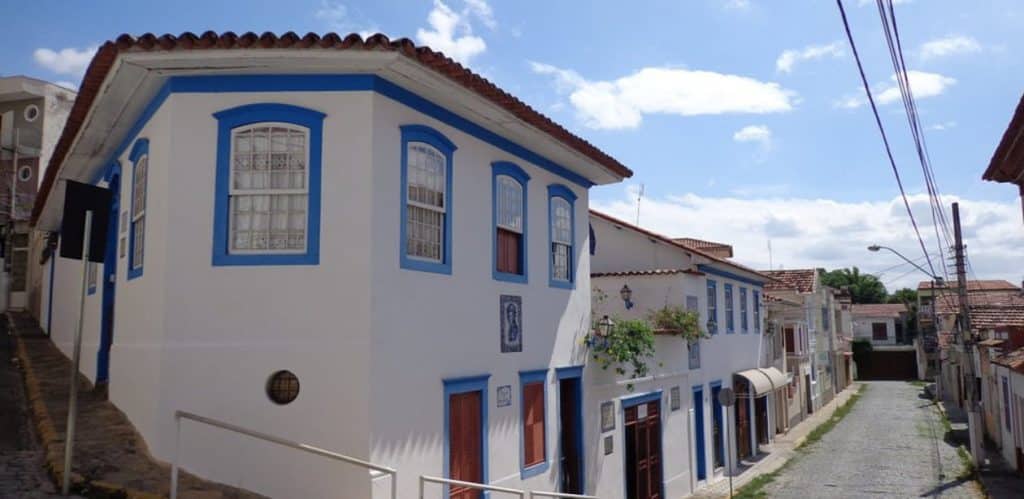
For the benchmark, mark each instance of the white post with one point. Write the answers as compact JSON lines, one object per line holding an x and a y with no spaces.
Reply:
{"x":174,"y":463}
{"x":69,"y":439}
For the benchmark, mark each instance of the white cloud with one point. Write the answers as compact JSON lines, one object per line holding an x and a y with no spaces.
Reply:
{"x":337,"y":17}
{"x":760,"y":134}
{"x":737,"y":4}
{"x":942,"y":126}
{"x":622,"y":103}
{"x":808,"y":233}
{"x":69,"y":61}
{"x":922,"y":84}
{"x":451,"y":32}
{"x":950,"y":45}
{"x":789,"y":58}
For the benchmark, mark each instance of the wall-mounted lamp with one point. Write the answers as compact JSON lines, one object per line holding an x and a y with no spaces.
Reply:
{"x":627,"y":296}
{"x":604,"y":327}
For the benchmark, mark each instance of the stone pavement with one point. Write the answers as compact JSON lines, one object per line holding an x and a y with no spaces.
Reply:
{"x":21,"y":460}
{"x":998,"y":478}
{"x":892,"y":444}
{"x":778,"y":452}
{"x":110,"y":457}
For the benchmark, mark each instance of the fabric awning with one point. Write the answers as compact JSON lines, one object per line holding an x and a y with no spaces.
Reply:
{"x":776,"y":377}
{"x":759,"y":381}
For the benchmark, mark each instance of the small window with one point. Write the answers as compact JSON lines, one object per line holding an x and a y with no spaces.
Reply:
{"x":730,"y":318}
{"x":283,"y":387}
{"x":560,"y":206}
{"x":879,"y":331}
{"x":25,"y":173}
{"x":137,"y":237}
{"x":757,"y":310}
{"x":744,"y":325}
{"x":31,"y":113}
{"x":712,"y":307}
{"x":509,"y":222}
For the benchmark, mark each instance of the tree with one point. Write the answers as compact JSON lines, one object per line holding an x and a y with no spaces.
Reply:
{"x":863,"y":288}
{"x":906,"y":296}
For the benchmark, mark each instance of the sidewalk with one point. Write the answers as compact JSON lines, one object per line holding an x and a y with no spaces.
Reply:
{"x":995,"y":474}
{"x":778,"y":452}
{"x":110,"y":457}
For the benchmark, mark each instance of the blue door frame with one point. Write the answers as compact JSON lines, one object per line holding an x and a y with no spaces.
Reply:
{"x":716,"y":415}
{"x":109,"y":280}
{"x":574,"y":377}
{"x":698,"y":429}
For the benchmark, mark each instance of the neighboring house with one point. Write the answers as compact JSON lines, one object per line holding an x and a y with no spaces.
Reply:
{"x":32,"y":115}
{"x":357,"y":244}
{"x":1007,"y":163}
{"x":712,"y":248}
{"x":804,"y":286}
{"x":697,"y":434}
{"x":884,"y":324}
{"x":784,"y":327}
{"x":1008,"y":373}
{"x":843,"y":354}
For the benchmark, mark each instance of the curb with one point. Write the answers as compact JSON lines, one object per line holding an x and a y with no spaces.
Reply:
{"x":53,"y":444}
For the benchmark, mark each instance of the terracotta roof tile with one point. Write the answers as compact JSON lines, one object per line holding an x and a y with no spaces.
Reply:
{"x":974,"y":285}
{"x":801,"y":280}
{"x":1005,"y":165}
{"x":996,"y":316}
{"x":878,"y":309}
{"x":648,"y":272}
{"x":718,"y":249}
{"x":108,"y":53}
{"x":1014,"y":360}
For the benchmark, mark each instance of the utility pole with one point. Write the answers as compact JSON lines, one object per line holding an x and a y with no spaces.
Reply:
{"x":966,"y":342}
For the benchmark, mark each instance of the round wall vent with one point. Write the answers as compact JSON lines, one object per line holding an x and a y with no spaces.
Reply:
{"x":31,"y":112}
{"x":283,"y":387}
{"x":25,"y":173}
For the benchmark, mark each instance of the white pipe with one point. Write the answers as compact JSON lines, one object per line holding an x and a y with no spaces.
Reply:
{"x":69,"y":438}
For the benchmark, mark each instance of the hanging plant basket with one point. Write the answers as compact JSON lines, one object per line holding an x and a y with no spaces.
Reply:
{"x":677,"y":321}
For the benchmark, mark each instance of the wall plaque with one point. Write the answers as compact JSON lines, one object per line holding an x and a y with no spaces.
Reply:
{"x":504,"y":395}
{"x":607,"y":416}
{"x":511,"y":312}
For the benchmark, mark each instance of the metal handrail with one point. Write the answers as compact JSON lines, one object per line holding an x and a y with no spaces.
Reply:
{"x":559,"y":495}
{"x":179,"y":415}
{"x":473,"y":485}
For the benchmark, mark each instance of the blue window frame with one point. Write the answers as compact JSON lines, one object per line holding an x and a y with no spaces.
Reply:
{"x":756,"y":295}
{"x":425,"y":239}
{"x":533,"y":378}
{"x":1006,"y":404}
{"x":252,"y":134}
{"x":744,"y":321}
{"x":509,"y":218}
{"x":139,"y":158}
{"x":712,"y":307}
{"x":561,"y":236}
{"x":730,"y":316}
{"x":464,"y":385}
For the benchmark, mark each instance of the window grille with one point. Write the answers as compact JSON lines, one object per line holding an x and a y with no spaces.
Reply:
{"x":561,"y":238}
{"x":269,"y":189}
{"x":141,"y":172}
{"x":283,"y":387}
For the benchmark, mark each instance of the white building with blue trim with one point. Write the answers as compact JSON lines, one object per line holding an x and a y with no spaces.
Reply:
{"x":356,"y":244}
{"x":694,"y":438}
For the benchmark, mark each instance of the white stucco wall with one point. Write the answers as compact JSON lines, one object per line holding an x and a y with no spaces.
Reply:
{"x":862,"y":328}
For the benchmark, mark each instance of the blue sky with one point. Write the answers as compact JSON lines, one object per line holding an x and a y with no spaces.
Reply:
{"x":742,"y":119}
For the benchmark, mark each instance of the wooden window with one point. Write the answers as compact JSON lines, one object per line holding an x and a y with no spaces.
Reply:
{"x":533,"y":424}
{"x":269,"y":189}
{"x":757,"y":310}
{"x":426,"y":199}
{"x":561,"y":239}
{"x":141,"y":172}
{"x":730,"y":317}
{"x":509,"y":221}
{"x":712,"y":307}
{"x":879,"y":331}
{"x":790,"y":341}
{"x":744,"y":326}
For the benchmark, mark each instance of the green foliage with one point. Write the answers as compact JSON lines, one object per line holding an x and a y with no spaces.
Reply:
{"x":629,"y":345}
{"x":677,"y":321}
{"x":905,"y":296}
{"x":864,"y":288}
{"x":861,"y":349}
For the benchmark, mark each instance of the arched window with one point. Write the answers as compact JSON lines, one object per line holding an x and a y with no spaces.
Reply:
{"x":426,"y":199}
{"x":562,"y":234}
{"x":137,"y":237}
{"x":509,"y":222}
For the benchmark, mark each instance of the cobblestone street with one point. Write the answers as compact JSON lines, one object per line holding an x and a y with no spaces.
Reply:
{"x":21,"y":460}
{"x":892,"y":444}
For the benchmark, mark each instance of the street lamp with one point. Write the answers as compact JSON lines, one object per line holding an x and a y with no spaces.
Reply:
{"x":627,"y":296}
{"x":604,"y":327}
{"x":875,"y":248}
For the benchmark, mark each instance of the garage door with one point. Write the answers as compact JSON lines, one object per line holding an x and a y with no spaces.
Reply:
{"x":881,"y":365}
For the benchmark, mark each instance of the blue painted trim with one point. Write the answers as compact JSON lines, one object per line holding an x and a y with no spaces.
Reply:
{"x":574,"y":372}
{"x":698,"y":432}
{"x":526,"y":378}
{"x":715,"y":383}
{"x":139,"y":149}
{"x":136,"y":128}
{"x":744,"y":319}
{"x":511,"y":170}
{"x":730,"y":309}
{"x":49,"y":292}
{"x":561,"y":191}
{"x":434,"y":138}
{"x":642,"y":398}
{"x":707,"y":269}
{"x":569,"y":372}
{"x":107,"y":301}
{"x":756,"y":298}
{"x":227,"y":121}
{"x":712,"y":306}
{"x":454,"y":386}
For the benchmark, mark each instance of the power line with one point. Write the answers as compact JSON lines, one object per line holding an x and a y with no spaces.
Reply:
{"x":885,"y":139}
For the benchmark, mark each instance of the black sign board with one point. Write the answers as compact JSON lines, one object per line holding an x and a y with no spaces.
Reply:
{"x":78,"y":199}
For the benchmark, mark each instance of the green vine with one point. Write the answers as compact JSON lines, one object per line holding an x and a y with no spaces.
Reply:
{"x":677,"y":321}
{"x":628,"y":345}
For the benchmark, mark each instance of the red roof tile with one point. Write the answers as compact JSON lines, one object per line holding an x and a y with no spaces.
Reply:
{"x":718,"y":249}
{"x":996,"y":316}
{"x":626,"y":273}
{"x":1006,"y":164}
{"x":108,"y":53}
{"x":1014,"y":360}
{"x":878,"y":309}
{"x":802,"y":280}
{"x":973,"y":285}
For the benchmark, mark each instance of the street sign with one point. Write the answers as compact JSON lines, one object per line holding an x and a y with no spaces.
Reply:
{"x":726,"y":397}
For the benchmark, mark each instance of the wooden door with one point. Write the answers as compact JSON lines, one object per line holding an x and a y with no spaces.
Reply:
{"x":643,"y":451}
{"x":742,"y":419}
{"x":761,"y":409}
{"x":570,"y":415}
{"x":464,"y":443}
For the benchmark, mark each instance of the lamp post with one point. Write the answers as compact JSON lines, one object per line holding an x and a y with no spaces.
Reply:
{"x":627,"y":296}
